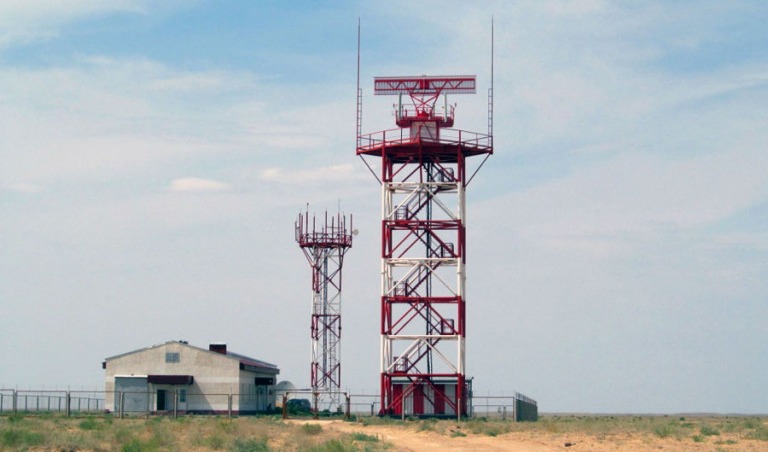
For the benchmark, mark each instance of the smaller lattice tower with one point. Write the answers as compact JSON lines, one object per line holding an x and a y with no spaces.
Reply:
{"x":324,"y":246}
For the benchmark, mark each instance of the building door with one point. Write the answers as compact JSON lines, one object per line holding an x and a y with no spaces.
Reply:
{"x":161,"y":400}
{"x":418,"y":399}
{"x":182,"y":399}
{"x":397,"y":392}
{"x":135,"y":395}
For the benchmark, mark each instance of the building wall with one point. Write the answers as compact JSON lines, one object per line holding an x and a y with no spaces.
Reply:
{"x":253,"y":397}
{"x":215,"y":377}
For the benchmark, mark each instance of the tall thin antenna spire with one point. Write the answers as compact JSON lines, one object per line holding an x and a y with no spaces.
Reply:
{"x":490,"y":92}
{"x":359,"y":116}
{"x":490,"y":113}
{"x":358,"y":53}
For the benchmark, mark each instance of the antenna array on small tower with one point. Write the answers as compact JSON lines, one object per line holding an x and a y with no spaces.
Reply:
{"x":324,"y":245}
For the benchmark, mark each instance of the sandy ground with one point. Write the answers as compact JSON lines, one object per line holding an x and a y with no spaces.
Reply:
{"x":405,"y":439}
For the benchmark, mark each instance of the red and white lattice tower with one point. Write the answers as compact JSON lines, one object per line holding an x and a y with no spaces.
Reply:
{"x":324,"y":246}
{"x":423,"y":249}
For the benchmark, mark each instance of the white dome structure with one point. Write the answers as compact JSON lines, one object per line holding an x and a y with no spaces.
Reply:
{"x":280,"y":389}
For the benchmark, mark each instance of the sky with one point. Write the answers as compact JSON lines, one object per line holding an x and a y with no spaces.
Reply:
{"x":155,"y":155}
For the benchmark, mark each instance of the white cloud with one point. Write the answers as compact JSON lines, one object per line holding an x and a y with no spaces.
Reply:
{"x":568,"y":8}
{"x":196,"y":184}
{"x":99,"y":114}
{"x":23,"y":187}
{"x":614,"y":205}
{"x":189,"y":82}
{"x":33,"y":20}
{"x":335,"y":173}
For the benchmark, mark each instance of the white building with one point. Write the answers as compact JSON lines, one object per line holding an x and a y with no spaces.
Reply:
{"x":178,"y":376}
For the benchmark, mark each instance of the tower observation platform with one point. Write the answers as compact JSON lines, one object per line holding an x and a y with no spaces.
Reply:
{"x":422,"y":130}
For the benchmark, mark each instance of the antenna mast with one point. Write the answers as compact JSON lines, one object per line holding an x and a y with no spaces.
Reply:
{"x":324,"y":246}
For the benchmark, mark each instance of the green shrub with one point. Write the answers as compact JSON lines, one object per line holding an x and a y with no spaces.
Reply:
{"x":751,"y":423}
{"x":333,"y":445}
{"x":17,"y":437}
{"x":122,"y":434}
{"x":312,"y":429}
{"x":250,"y":445}
{"x":699,"y":438}
{"x":357,"y":436}
{"x":665,"y":430}
{"x":215,"y":441}
{"x":136,"y":445}
{"x":161,"y":436}
{"x":89,"y":424}
{"x":760,"y":433}
{"x":225,"y":425}
{"x":706,"y":430}
{"x":427,"y":425}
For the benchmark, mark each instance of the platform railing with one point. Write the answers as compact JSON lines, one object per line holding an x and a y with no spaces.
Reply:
{"x":395,"y":137}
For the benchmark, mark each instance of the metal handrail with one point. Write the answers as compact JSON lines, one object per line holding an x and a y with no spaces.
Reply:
{"x":394,"y":137}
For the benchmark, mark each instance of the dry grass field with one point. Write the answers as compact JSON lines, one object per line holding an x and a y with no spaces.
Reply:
{"x":551,"y":433}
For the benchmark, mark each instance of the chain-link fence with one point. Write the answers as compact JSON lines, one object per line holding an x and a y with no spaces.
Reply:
{"x":51,"y":401}
{"x":364,"y":404}
{"x":517,"y":407}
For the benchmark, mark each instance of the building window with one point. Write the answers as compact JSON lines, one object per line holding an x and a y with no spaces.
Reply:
{"x":182,"y":395}
{"x":172,"y":357}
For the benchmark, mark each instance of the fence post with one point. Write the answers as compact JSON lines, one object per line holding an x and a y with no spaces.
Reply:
{"x":69,"y":401}
{"x":229,"y":406}
{"x":15,"y":401}
{"x":285,"y":405}
{"x":514,"y":409}
{"x":347,"y":412}
{"x":459,"y":403}
{"x":175,"y":403}
{"x":121,"y":401}
{"x":1,"y":402}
